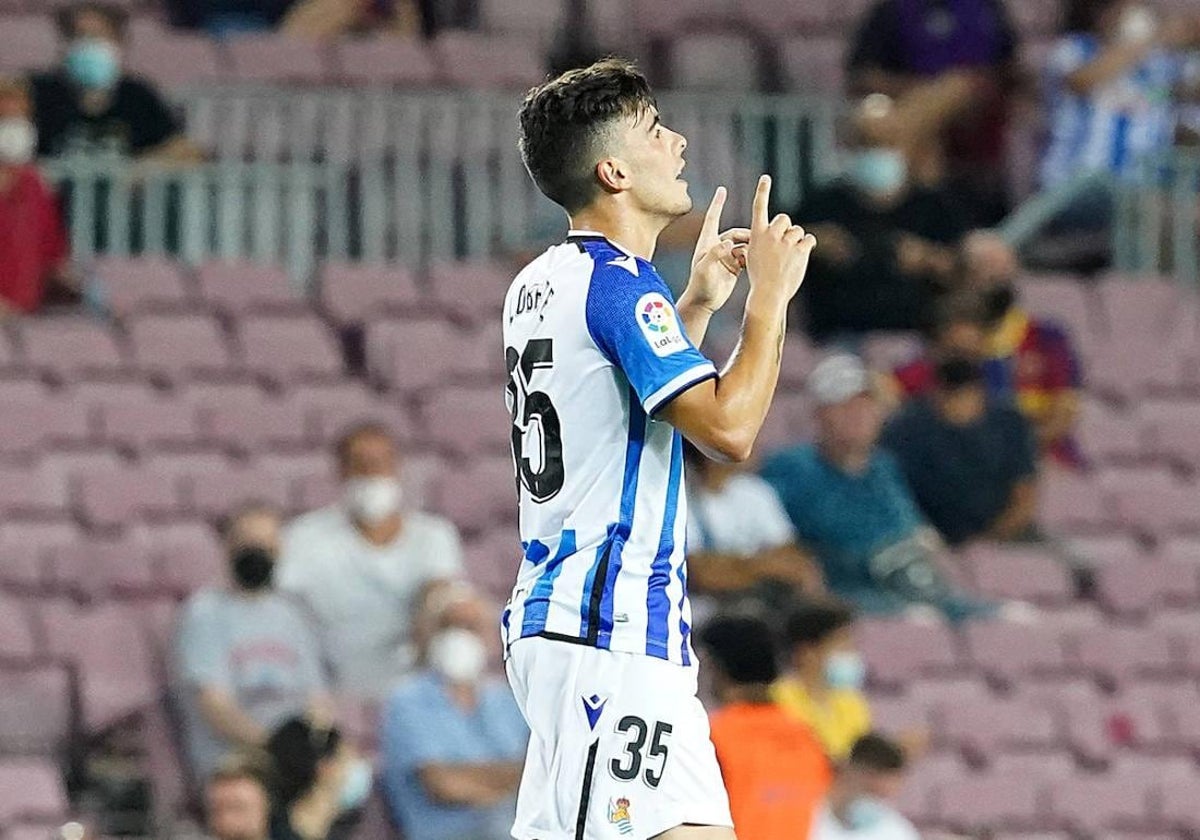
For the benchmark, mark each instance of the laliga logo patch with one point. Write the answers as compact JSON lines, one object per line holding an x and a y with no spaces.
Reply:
{"x":618,"y":815}
{"x":659,"y":324}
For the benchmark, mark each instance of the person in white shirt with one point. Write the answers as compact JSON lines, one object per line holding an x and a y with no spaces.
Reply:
{"x":361,"y":563}
{"x":858,"y":805}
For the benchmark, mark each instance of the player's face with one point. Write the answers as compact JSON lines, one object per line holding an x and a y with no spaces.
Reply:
{"x":655,"y":157}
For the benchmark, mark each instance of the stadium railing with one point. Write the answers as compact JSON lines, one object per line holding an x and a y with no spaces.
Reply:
{"x":1157,"y":227}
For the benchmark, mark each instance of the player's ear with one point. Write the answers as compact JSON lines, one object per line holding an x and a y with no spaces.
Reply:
{"x":613,"y":175}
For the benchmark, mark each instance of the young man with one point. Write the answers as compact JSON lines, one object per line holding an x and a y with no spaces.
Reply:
{"x":604,"y":378}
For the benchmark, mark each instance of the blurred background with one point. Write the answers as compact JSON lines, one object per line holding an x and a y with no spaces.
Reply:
{"x":256,"y":514}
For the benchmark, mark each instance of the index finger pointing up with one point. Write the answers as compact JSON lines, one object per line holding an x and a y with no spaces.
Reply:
{"x":712,"y":218}
{"x":762,"y":201}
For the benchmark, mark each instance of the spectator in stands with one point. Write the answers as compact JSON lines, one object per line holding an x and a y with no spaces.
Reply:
{"x":858,"y":804}
{"x":33,"y":239}
{"x":453,"y":740}
{"x":775,"y":770}
{"x":1109,"y":87}
{"x":237,"y":801}
{"x":970,"y":460}
{"x":950,"y":67}
{"x":887,"y":244}
{"x":246,"y":658}
{"x":823,"y":685}
{"x":361,"y":563}
{"x":850,"y":506}
{"x":319,"y":781}
{"x":89,"y":105}
{"x":738,"y":533}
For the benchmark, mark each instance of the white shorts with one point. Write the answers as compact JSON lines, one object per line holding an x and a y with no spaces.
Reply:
{"x":619,"y":745}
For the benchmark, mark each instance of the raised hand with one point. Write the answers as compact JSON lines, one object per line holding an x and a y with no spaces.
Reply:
{"x":718,"y":259}
{"x":778,"y":252}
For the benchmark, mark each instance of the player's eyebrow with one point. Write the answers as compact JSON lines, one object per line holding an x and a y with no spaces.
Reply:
{"x":655,"y":123}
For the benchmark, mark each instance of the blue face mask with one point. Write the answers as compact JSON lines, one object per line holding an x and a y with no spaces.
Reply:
{"x":356,"y":787}
{"x":864,"y":813}
{"x":878,"y":171}
{"x":92,"y":64}
{"x":845,"y":669}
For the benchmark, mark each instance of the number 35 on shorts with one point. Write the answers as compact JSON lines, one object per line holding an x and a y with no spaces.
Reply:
{"x":645,"y":751}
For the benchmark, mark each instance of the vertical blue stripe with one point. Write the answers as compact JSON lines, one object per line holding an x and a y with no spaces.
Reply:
{"x":658,"y":604}
{"x":537,"y":605}
{"x":1120,"y":140}
{"x":685,"y":629}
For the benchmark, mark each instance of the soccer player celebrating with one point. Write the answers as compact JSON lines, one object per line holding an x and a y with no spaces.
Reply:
{"x":604,"y":378}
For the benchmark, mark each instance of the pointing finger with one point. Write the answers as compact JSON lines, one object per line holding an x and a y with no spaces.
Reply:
{"x":762,"y":201}
{"x":712,"y":218}
{"x":736,"y":235}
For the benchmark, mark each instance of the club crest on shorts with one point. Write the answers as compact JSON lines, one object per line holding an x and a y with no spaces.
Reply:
{"x":618,"y":815}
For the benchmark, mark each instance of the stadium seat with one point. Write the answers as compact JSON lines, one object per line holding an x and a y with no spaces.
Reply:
{"x":383,"y":60}
{"x":653,"y":18}
{"x":468,"y":421}
{"x":35,"y":709}
{"x":973,"y":802}
{"x":1138,"y":587}
{"x":1024,"y":574}
{"x":472,"y":289}
{"x":352,"y":294}
{"x":243,"y":417}
{"x":715,"y":61}
{"x":896,"y":651}
{"x":70,"y":347}
{"x":277,"y":58}
{"x":414,"y":354}
{"x":1118,"y":654}
{"x":187,"y":555}
{"x":28,"y":490}
{"x":174,"y":60}
{"x":289,"y":348}
{"x":178,"y":347}
{"x":479,"y":496}
{"x":128,"y":493}
{"x":1173,"y":429}
{"x":1112,"y":437}
{"x":1178,"y":802}
{"x":17,"y":641}
{"x":1073,"y":503}
{"x":985,"y":728}
{"x":332,"y":408}
{"x":474,"y":60}
{"x":102,"y":567}
{"x":138,"y":417}
{"x":215,"y":495}
{"x":1009,"y":652}
{"x":770,"y":16}
{"x":27,"y":42}
{"x":1092,"y":803}
{"x":31,"y":789}
{"x":239,"y":286}
{"x":134,"y":285}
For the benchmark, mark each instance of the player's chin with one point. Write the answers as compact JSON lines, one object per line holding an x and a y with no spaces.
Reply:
{"x":685,"y":200}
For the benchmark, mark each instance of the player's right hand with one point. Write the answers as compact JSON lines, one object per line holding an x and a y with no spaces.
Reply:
{"x":778,"y":253}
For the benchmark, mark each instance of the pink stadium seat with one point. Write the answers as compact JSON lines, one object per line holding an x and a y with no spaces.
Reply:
{"x":492,"y":560}
{"x":1119,"y":654}
{"x":482,"y":495}
{"x":31,"y":789}
{"x":289,"y":348}
{"x":1106,"y":550}
{"x":353,"y":293}
{"x":139,"y":417}
{"x":467,"y":422}
{"x":218,"y":494}
{"x":28,"y":490}
{"x":975,"y":801}
{"x":132,"y":285}
{"x":1049,"y":767}
{"x":716,"y":61}
{"x":1091,"y":803}
{"x":239,"y":286}
{"x":99,"y":568}
{"x":654,"y":18}
{"x":70,"y":347}
{"x":1173,"y":429}
{"x":1178,"y":801}
{"x":35,"y":709}
{"x":475,"y":60}
{"x":1142,"y":586}
{"x":1072,"y":503}
{"x":898,"y":713}
{"x":814,"y":65}
{"x":24,"y":550}
{"x":17,"y":641}
{"x":54,"y":419}
{"x":799,"y":359}
{"x":333,"y":408}
{"x":246,"y":418}
{"x":1151,"y":712}
{"x":384,"y":60}
{"x":1063,"y":299}
{"x":114,"y":497}
{"x":984,"y":728}
{"x":1010,"y":652}
{"x":1180,"y":550}
{"x":769,"y":16}
{"x":413,"y":354}
{"x":110,"y":649}
{"x":27,"y":42}
{"x":180,"y":346}
{"x":174,"y":60}
{"x":277,"y":58}
{"x":1111,"y":437}
{"x":896,"y":651}
{"x":474,"y":289}
{"x":1026,"y":574}
{"x":187,"y":556}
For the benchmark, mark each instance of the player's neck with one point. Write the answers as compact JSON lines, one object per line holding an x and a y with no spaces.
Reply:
{"x":636,"y":233}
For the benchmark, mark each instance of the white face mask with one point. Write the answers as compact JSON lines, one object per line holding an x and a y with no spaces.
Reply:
{"x":458,"y":655}
{"x":1138,"y":25}
{"x":372,"y":500}
{"x":18,"y":140}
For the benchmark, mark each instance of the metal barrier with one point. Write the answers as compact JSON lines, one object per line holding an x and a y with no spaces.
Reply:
{"x":1157,"y":227}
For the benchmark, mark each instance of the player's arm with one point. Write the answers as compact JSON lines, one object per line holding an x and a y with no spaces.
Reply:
{"x":723,"y":416}
{"x":717,"y":262}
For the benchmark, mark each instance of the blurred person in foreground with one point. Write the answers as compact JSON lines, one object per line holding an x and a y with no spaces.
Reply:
{"x":452,"y":738}
{"x":237,"y":800}
{"x":823,"y":684}
{"x":738,"y":534}
{"x":319,"y":781}
{"x":850,"y":504}
{"x":859,"y":803}
{"x":245,"y":658}
{"x":91,"y":105}
{"x":951,"y":69}
{"x":969,"y":459}
{"x":361,"y":562}
{"x":33,"y":239}
{"x":774,"y":767}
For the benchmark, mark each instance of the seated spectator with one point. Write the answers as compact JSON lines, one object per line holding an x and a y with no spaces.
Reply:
{"x":90,"y":105}
{"x":738,"y":533}
{"x":453,"y":740}
{"x":824,"y":681}
{"x":33,"y":239}
{"x":970,"y":461}
{"x":858,"y":806}
{"x":319,"y":781}
{"x":886,"y":242}
{"x":1109,"y":87}
{"x":850,"y":506}
{"x":951,"y":68}
{"x":361,"y":563}
{"x":246,"y":659}
{"x":775,"y":770}
{"x":237,"y":801}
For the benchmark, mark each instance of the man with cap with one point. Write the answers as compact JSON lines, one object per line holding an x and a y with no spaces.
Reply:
{"x":851,"y":507}
{"x":774,"y":767}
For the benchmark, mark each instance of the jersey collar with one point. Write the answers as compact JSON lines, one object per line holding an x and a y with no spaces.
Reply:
{"x":594,"y":236}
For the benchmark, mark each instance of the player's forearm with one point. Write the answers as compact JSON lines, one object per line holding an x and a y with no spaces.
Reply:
{"x":695,"y":317}
{"x":747,"y":385}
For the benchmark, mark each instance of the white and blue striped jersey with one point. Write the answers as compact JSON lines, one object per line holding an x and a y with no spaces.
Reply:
{"x":1114,"y":126}
{"x":594,"y":349}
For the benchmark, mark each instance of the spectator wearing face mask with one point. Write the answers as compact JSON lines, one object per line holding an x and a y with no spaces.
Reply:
{"x":246,"y":658}
{"x":33,"y":240}
{"x":859,"y":803}
{"x":319,"y":781}
{"x":453,"y":740}
{"x":89,"y":104}
{"x":361,"y":563}
{"x":237,"y":801}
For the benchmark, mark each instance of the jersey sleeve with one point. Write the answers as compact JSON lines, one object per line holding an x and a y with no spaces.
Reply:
{"x":632,"y":319}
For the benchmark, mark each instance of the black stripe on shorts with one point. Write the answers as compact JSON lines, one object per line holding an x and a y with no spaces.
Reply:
{"x":586,"y":795}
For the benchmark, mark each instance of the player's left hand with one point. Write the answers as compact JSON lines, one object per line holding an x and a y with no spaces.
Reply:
{"x":719,"y":258}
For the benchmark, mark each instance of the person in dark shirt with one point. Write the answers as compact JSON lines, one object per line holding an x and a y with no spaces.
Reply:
{"x":320,"y":782}
{"x":970,"y":462}
{"x":90,"y":105}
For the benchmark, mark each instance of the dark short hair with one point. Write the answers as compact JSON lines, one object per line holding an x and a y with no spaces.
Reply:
{"x":874,"y":751}
{"x":812,"y":622}
{"x":1084,"y":15}
{"x":296,"y":750}
{"x":346,"y":439}
{"x":742,"y":648}
{"x":116,"y":16}
{"x":563,"y":124}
